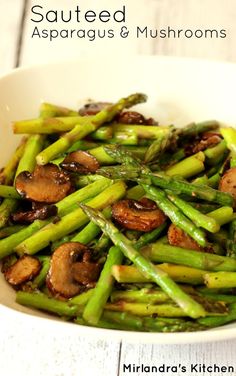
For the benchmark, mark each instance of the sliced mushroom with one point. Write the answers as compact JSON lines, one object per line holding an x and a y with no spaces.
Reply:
{"x":228,"y":183}
{"x":23,"y":270}
{"x":46,"y":184}
{"x":130,"y":117}
{"x":138,"y":215}
{"x":177,"y":237}
{"x":202,"y":142}
{"x":208,"y":140}
{"x":43,"y":212}
{"x":93,"y":108}
{"x":71,"y":270}
{"x":81,"y":162}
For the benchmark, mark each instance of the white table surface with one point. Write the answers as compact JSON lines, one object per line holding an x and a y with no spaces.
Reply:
{"x":24,"y":350}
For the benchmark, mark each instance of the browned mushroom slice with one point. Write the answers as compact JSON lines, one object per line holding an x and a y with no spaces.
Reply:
{"x":135,"y":215}
{"x":23,"y":270}
{"x":46,"y":184}
{"x":177,"y":237}
{"x":81,"y":162}
{"x":62,"y":278}
{"x":130,"y":117}
{"x":228,"y":183}
{"x":134,"y":117}
{"x":93,"y":108}
{"x":208,"y":140}
{"x":43,"y":212}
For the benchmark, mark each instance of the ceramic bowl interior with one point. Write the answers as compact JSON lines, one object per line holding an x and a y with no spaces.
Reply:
{"x":179,"y":91}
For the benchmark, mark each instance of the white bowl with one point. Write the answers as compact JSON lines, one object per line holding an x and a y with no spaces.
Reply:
{"x":179,"y":90}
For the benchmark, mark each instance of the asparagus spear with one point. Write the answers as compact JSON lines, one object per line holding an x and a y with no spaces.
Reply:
{"x":27,"y":163}
{"x":194,"y":129}
{"x":33,"y":146}
{"x":48,"y":125}
{"x":134,"y":170}
{"x":156,"y":148}
{"x":135,"y":192}
{"x":8,"y":173}
{"x":145,"y":295}
{"x":39,"y":280}
{"x":8,"y":192}
{"x":94,"y":308}
{"x":188,"y":167}
{"x":197,"y":217}
{"x":179,"y":273}
{"x":158,"y":252}
{"x":174,"y":184}
{"x":204,"y":208}
{"x":41,"y":301}
{"x":222,"y":215}
{"x":7,"y":231}
{"x":8,"y":244}
{"x":219,"y":297}
{"x":6,"y":208}
{"x":152,"y":324}
{"x":90,"y":231}
{"x":124,"y":131}
{"x":220,"y":280}
{"x":142,"y":309}
{"x":69,"y":222}
{"x":176,"y":216}
{"x":64,"y":206}
{"x":82,"y":298}
{"x":49,"y":110}
{"x":150,"y":236}
{"x":215,"y":154}
{"x":190,"y":307}
{"x":220,"y":320}
{"x":81,"y":130}
{"x":165,"y":309}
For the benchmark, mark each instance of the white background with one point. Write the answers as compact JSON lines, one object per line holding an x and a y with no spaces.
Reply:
{"x":24,"y":350}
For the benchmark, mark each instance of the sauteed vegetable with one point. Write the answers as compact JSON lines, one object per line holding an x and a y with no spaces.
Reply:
{"x":109,"y":219}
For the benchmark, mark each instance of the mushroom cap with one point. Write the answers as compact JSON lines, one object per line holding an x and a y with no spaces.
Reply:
{"x":138,"y":215}
{"x":23,"y":270}
{"x":81,"y":162}
{"x":42,"y":212}
{"x":70,"y":270}
{"x":46,"y":184}
{"x":93,"y":108}
{"x":177,"y":237}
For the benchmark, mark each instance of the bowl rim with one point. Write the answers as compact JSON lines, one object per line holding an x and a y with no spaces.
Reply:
{"x":213,"y":335}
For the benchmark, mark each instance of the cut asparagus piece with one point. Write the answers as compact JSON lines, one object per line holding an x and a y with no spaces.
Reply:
{"x":158,"y":252}
{"x":94,"y":308}
{"x":33,"y":146}
{"x":188,"y":167}
{"x":179,"y":273}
